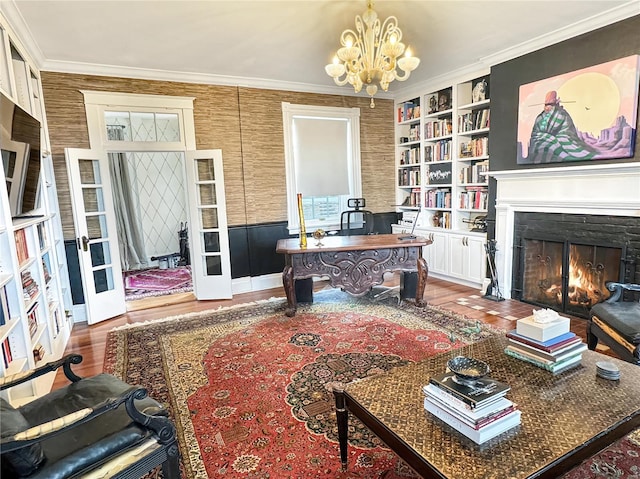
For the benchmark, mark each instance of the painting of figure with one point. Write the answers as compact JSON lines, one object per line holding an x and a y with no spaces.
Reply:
{"x":586,"y":114}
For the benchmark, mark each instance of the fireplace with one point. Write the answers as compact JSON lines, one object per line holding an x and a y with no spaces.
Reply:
{"x":561,"y":232}
{"x":563,"y":261}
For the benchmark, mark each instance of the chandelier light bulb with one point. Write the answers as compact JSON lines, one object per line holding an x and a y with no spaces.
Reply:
{"x":370,"y":54}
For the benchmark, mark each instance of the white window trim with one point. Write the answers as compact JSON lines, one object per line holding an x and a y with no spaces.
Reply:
{"x":97,"y":102}
{"x":289,"y":111}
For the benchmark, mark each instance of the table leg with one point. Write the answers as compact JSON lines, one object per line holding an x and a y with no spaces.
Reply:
{"x":289,"y":289}
{"x":423,"y":272}
{"x":342,"y":417}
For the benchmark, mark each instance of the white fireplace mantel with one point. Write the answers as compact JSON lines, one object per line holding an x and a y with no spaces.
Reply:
{"x":603,"y":189}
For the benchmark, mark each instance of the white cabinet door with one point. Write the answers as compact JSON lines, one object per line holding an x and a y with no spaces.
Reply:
{"x":476,"y":259}
{"x":467,"y":258}
{"x":458,"y":256}
{"x":439,"y":250}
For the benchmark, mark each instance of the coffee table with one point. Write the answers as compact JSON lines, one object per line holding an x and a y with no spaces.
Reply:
{"x":565,"y":418}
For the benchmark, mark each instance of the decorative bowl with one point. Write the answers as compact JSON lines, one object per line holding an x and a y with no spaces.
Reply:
{"x":468,"y":368}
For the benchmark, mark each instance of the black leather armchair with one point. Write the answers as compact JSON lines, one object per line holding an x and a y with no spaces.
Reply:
{"x":99,"y":424}
{"x":616,"y":323}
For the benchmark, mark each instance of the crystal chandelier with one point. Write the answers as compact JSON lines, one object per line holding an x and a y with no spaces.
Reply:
{"x":370,"y":54}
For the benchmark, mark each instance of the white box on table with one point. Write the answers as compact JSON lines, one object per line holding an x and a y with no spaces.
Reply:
{"x":542,"y":331}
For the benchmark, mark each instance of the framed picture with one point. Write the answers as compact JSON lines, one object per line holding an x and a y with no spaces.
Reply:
{"x":480,"y":89}
{"x":432,"y":103}
{"x":444,"y":99}
{"x":587,"y":114}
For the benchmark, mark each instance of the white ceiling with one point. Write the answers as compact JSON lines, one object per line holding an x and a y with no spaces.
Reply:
{"x":287,"y":43}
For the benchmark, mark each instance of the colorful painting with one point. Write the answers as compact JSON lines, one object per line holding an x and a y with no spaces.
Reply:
{"x":588,"y":114}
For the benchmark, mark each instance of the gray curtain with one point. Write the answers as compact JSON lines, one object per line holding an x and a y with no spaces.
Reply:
{"x":130,"y":237}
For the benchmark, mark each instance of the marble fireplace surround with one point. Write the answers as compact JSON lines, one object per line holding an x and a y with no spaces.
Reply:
{"x":603,"y":189}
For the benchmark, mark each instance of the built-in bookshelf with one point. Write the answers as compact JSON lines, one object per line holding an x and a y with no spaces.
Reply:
{"x":34,"y":292}
{"x":443,"y":173}
{"x":409,"y":174}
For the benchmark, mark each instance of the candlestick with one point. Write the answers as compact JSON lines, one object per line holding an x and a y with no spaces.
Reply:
{"x":303,"y":230}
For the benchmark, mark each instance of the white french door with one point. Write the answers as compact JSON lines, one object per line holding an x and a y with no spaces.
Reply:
{"x":96,"y":235}
{"x":208,"y":235}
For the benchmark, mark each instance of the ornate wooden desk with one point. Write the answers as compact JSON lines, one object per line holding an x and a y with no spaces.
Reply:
{"x":353,"y":263}
{"x":565,"y":418}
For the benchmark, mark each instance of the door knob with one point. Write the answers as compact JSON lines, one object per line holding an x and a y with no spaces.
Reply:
{"x":85,"y":243}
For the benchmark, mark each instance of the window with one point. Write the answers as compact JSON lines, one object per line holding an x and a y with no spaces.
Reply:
{"x":322,"y":156}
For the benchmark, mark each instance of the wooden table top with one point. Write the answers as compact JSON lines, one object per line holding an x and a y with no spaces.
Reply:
{"x":349,"y":243}
{"x":571,"y":413}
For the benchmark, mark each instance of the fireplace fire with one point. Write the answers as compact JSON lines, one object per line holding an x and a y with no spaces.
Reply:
{"x":567,"y":277}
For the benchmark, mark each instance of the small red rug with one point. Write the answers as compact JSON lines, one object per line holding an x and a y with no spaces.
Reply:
{"x":155,"y":281}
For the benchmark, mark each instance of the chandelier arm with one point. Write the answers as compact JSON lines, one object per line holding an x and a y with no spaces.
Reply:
{"x":341,"y":82}
{"x":404,"y":77}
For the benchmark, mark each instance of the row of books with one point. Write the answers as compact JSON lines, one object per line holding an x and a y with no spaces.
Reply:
{"x":5,"y":311}
{"x":439,"y":151}
{"x":438,"y":128}
{"x":409,"y":110}
{"x":474,"y":199}
{"x":29,"y":286}
{"x":7,"y":355}
{"x":21,"y":245}
{"x":550,"y":346}
{"x":476,"y":120}
{"x":438,"y":198}
{"x":475,"y":173}
{"x":475,"y":147}
{"x":478,"y":409}
{"x":409,"y":176}
{"x":410,"y":156}
{"x":32,"y":320}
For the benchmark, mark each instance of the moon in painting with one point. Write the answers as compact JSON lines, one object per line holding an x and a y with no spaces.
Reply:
{"x":593,"y":101}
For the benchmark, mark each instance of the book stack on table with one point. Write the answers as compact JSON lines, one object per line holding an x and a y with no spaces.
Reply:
{"x":478,"y":408}
{"x":550,"y":346}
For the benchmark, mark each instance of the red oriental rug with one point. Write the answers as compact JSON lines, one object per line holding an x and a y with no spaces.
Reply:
{"x":249,"y":389}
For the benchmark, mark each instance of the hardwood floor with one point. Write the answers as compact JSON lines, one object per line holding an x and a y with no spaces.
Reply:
{"x":89,"y":341}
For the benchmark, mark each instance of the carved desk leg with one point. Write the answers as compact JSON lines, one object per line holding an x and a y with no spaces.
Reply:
{"x":423,"y":272}
{"x":342,"y":417}
{"x":289,"y":289}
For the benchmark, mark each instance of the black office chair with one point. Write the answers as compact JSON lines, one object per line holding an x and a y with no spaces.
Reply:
{"x":356,"y":221}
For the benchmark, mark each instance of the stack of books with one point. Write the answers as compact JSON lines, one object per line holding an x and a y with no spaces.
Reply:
{"x":550,"y":346}
{"x":478,"y":409}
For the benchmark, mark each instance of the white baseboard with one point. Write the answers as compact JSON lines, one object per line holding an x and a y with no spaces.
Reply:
{"x":256,"y":283}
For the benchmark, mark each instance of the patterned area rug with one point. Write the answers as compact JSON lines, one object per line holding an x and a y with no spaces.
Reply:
{"x":250,"y":389}
{"x":157,"y":282}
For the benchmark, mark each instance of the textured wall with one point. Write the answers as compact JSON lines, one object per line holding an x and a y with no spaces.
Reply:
{"x":245,"y":123}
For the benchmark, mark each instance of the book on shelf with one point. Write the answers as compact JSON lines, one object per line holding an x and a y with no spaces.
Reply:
{"x":7,"y":355}
{"x":21,"y":245}
{"x":555,"y":368}
{"x":542,"y":331}
{"x":480,"y":435}
{"x":476,"y":394}
{"x":550,"y":345}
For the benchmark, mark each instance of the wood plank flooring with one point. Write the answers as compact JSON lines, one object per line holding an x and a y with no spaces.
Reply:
{"x":89,"y":341}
